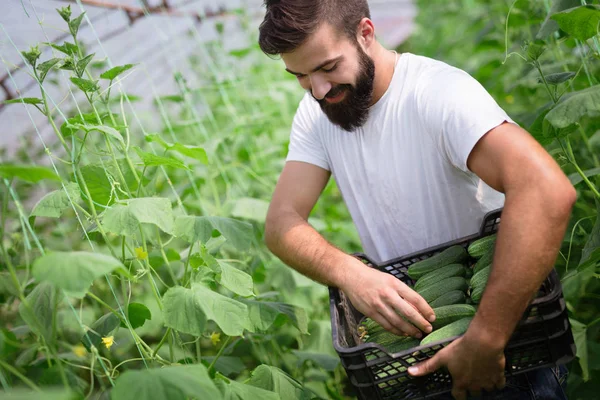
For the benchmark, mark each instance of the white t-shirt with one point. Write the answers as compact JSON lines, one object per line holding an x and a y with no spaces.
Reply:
{"x":403,"y":175}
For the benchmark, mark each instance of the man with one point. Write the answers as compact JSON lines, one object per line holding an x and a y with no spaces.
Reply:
{"x":420,"y":152}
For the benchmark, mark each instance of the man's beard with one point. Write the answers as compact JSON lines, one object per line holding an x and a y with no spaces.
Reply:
{"x":352,"y":112}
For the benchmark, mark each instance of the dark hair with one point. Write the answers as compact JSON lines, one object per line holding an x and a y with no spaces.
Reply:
{"x":288,"y":23}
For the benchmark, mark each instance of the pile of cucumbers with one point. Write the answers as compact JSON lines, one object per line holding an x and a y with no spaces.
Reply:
{"x":452,"y":282}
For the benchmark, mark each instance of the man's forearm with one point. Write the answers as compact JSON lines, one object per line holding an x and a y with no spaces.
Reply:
{"x":532,"y":229}
{"x":300,"y":246}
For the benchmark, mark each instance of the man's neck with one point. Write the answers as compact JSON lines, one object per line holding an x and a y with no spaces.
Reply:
{"x":385,"y":61}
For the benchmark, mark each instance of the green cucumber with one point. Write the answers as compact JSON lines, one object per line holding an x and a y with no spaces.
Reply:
{"x":456,"y":328}
{"x":483,"y":262}
{"x":481,"y":246}
{"x":481,"y":277}
{"x":477,"y":293}
{"x":430,"y":293}
{"x":435,"y":276}
{"x":445,"y":315}
{"x":448,"y":298}
{"x":452,"y":255}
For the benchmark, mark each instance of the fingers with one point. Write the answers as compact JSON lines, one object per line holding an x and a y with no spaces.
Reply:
{"x":399,"y":323}
{"x":410,"y":312}
{"x":419,"y":302}
{"x":383,"y":321}
{"x":428,"y":366}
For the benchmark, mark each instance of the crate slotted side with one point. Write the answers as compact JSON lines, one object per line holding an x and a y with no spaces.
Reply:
{"x":542,"y":338}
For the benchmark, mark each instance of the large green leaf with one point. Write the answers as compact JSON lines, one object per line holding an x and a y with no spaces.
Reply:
{"x":29,"y":173}
{"x":580,"y":22}
{"x":99,"y":329}
{"x":125,"y":219}
{"x":107,"y":130}
{"x":46,"y":66}
{"x":73,"y":271}
{"x":69,"y":127}
{"x":39,"y":309}
{"x":187,"y":311}
{"x":170,"y":383}
{"x":550,"y":26}
{"x":274,"y":379}
{"x":115,"y":71}
{"x":580,"y":336}
{"x":75,"y":23}
{"x":137,"y":314}
{"x":233,"y":390}
{"x":195,"y":152}
{"x":229,"y":276}
{"x":55,"y":203}
{"x":319,"y":347}
{"x":263,"y":314}
{"x":152,"y":160}
{"x":572,"y":108}
{"x":193,"y":229}
{"x":252,"y":209}
{"x":226,"y":365}
{"x":85,"y":84}
{"x":98,"y":183}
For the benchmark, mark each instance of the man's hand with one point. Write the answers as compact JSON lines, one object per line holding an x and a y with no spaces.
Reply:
{"x":473,"y":364}
{"x":386,"y":300}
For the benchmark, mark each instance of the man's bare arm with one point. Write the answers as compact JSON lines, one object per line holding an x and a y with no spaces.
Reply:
{"x":288,"y":235}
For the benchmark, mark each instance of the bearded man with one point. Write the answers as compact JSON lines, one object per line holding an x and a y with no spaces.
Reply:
{"x":420,"y":152}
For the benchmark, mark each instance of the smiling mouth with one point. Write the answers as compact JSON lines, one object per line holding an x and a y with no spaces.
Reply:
{"x":337,"y":97}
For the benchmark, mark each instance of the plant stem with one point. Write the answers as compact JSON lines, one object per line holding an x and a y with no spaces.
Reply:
{"x":162,"y":341}
{"x":19,"y":375}
{"x":219,"y":353}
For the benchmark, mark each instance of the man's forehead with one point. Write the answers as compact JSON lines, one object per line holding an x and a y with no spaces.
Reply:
{"x":322,"y":45}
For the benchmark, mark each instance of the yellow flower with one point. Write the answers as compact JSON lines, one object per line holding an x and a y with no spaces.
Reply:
{"x":509,"y":99}
{"x":108,"y":341}
{"x":79,"y":350}
{"x":215,"y":338}
{"x":140,"y":254}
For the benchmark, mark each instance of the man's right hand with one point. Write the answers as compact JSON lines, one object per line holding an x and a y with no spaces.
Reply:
{"x":386,"y":299}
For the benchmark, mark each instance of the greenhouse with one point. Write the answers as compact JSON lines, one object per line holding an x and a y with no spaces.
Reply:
{"x":299,"y":199}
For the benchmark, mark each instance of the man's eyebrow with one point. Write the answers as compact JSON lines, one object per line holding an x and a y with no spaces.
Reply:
{"x":324,"y":63}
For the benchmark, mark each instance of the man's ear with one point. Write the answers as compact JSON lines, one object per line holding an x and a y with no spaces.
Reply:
{"x":365,"y":33}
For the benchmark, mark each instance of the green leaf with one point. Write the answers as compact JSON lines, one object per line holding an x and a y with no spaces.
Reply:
{"x":68,"y":127}
{"x":187,"y":311}
{"x":85,"y":84}
{"x":193,"y":229}
{"x":65,"y":13}
{"x":229,"y":276}
{"x":195,"y":152}
{"x":32,"y":55}
{"x":239,"y":391}
{"x":75,"y":23}
{"x":170,"y":383}
{"x":46,"y":66}
{"x":39,"y":310}
{"x":263,"y":314}
{"x":125,"y":219}
{"x":535,"y":49}
{"x":327,"y":361}
{"x":73,"y":271}
{"x":274,"y":379}
{"x":99,"y":329}
{"x":253,"y":209}
{"x":226,"y":365}
{"x":98,"y":183}
{"x":572,"y":108}
{"x":67,"y":48}
{"x":29,"y":173}
{"x":558,"y":78}
{"x":580,"y":22}
{"x":115,"y":71}
{"x":55,"y":203}
{"x":152,"y":160}
{"x":137,"y":314}
{"x":26,"y":100}
{"x":550,"y":26}
{"x":107,"y":130}
{"x":83,"y":63}
{"x":7,"y":349}
{"x":48,"y":394}
{"x":575,"y":178}
{"x":580,"y":336}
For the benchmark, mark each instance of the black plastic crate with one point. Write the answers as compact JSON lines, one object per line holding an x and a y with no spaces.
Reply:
{"x":542,"y":338}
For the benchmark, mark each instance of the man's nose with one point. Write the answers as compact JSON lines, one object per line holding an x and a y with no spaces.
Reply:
{"x":319,"y":86}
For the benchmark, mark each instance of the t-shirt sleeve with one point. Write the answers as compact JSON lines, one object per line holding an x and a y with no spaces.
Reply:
{"x":457,"y":111}
{"x":305,"y":144}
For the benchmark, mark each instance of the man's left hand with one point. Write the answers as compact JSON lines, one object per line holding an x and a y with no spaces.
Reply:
{"x":473,"y":365}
